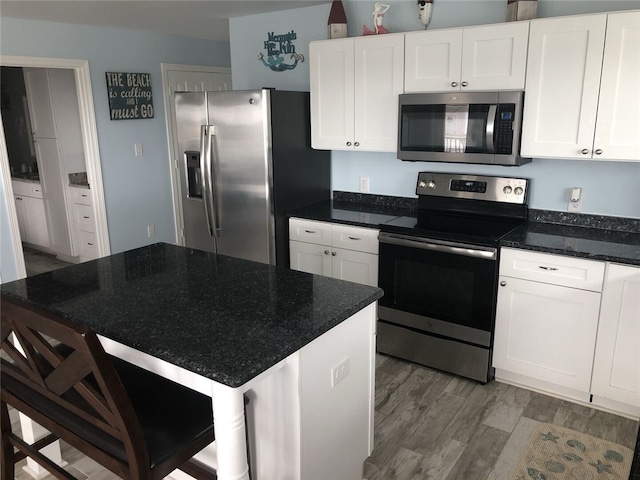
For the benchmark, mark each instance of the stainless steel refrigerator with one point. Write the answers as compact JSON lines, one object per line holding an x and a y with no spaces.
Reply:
{"x":245,"y":161}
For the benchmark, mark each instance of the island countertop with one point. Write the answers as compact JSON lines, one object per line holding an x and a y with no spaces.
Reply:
{"x":224,"y":318}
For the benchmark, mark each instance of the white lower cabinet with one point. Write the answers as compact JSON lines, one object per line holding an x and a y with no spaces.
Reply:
{"x":32,"y":220}
{"x":569,"y":327}
{"x":83,"y":224}
{"x":333,"y":250}
{"x":616,"y":367}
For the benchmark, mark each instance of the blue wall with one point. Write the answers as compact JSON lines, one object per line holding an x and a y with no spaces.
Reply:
{"x":608,"y":188}
{"x":137,"y":189}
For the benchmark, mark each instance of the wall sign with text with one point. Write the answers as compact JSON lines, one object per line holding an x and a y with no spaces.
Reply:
{"x":280,"y":48}
{"x":129,"y":95}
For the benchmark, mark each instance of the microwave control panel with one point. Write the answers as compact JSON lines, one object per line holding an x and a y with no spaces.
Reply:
{"x":504,"y":128}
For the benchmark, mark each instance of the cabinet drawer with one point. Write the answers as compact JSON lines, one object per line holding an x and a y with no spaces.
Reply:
{"x":80,"y":195}
{"x":87,"y":245}
{"x":310,"y":231}
{"x":552,"y":269}
{"x":82,"y":218}
{"x":355,"y":238}
{"x":28,"y":189}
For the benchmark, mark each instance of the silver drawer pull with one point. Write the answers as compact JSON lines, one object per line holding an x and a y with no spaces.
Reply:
{"x":326,"y":252}
{"x":310,"y":231}
{"x":354,"y":238}
{"x":85,"y":196}
{"x":333,"y":254}
{"x":551,"y":269}
{"x":89,"y":243}
{"x":84,"y":216}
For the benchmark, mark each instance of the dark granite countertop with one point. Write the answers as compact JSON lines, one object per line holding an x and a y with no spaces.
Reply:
{"x":224,"y":318}
{"x":591,"y":243}
{"x":350,"y":213}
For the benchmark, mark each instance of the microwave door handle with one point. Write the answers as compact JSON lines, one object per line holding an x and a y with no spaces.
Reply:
{"x":205,"y":173}
{"x":491,"y":124}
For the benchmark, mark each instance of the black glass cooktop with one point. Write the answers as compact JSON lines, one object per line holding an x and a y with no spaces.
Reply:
{"x":474,"y":229}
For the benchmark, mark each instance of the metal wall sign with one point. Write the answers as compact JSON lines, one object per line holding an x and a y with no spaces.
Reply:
{"x":280,"y":50}
{"x":129,"y":95}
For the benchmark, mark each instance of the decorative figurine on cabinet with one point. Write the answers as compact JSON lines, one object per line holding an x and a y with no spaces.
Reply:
{"x":337,"y":22}
{"x":378,"y":13}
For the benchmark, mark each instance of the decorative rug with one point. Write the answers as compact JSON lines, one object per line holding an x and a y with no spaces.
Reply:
{"x":558,"y":453}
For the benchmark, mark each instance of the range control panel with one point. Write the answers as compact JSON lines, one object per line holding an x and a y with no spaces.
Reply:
{"x":475,"y":187}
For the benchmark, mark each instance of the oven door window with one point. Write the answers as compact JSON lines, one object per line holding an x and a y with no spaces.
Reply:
{"x":447,"y":128}
{"x":443,"y":286}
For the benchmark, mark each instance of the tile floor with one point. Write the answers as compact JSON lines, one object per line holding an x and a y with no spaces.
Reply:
{"x":40,"y":262}
{"x":435,"y":426}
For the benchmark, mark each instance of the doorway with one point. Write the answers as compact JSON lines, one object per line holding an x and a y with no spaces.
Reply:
{"x":88,"y":134}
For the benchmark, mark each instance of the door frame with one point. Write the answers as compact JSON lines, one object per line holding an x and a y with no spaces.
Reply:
{"x":173,"y":141}
{"x":91,"y":151}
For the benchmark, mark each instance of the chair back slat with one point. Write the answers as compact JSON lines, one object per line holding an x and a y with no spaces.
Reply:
{"x":65,"y":364}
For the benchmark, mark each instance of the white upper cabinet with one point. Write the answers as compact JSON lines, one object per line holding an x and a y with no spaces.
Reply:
{"x":569,"y":112}
{"x":491,"y":57}
{"x":355,"y":83}
{"x":36,"y":82}
{"x":618,"y":124}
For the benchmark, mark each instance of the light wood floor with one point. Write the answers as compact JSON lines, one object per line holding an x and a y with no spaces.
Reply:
{"x":431,"y":425}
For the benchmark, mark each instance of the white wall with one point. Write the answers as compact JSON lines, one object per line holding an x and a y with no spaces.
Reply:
{"x":608,"y":188}
{"x":137,"y":189}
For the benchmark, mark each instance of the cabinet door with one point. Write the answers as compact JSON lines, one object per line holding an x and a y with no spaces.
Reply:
{"x":618,"y":126}
{"x":494,"y":57}
{"x":331,"y":87}
{"x":54,"y":181}
{"x":310,"y":258}
{"x":378,"y":76}
{"x":22,"y":219}
{"x":36,"y":82}
{"x":36,"y":222}
{"x":546,"y":332}
{"x":433,"y":61}
{"x":355,"y":266}
{"x":563,"y":79}
{"x":616,"y":369}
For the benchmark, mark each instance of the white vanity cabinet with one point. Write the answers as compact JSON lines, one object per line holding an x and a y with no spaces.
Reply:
{"x":334,"y":250}
{"x":490,"y":57}
{"x":354,"y":85}
{"x":616,"y":368}
{"x":547,"y":320}
{"x":83,"y":224}
{"x":582,"y":94}
{"x":32,"y":221}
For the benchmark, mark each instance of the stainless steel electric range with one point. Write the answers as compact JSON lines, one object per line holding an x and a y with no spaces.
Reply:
{"x":439,"y":271}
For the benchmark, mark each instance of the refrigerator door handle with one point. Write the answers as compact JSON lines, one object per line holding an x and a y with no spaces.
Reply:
{"x":214,"y":176}
{"x":205,"y":172}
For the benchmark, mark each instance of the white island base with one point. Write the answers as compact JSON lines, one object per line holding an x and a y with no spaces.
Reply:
{"x":310,"y":417}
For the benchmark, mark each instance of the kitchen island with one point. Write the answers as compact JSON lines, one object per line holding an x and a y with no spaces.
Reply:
{"x":300,"y":347}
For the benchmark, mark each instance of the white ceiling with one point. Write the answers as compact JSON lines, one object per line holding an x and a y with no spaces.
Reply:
{"x":199,"y":19}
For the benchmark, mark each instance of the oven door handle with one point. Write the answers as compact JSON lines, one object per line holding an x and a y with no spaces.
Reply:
{"x":443,"y":247}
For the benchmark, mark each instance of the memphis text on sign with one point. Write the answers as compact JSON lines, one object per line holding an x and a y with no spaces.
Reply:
{"x":129,"y":95}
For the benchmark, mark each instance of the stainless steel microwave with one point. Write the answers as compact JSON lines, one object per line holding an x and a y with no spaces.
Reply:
{"x":464,"y":127}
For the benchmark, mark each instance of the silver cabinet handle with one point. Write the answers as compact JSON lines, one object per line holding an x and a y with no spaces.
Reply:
{"x":333,"y":254}
{"x":89,"y":243}
{"x":585,"y":151}
{"x":354,"y":238}
{"x":357,"y":144}
{"x":598,"y":152}
{"x":310,"y":231}
{"x":503,"y":283}
{"x":454,"y":84}
{"x":550,"y":269}
{"x":464,"y":84}
{"x":326,"y":252}
{"x":84,"y":216}
{"x":348,"y":144}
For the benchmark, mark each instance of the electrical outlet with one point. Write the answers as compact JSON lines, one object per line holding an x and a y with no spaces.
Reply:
{"x":575,"y":200}
{"x":151,"y":230}
{"x":339,"y":372}
{"x":364,"y":184}
{"x":138,"y":149}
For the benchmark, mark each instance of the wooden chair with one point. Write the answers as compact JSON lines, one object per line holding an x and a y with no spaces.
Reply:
{"x":133,"y":422}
